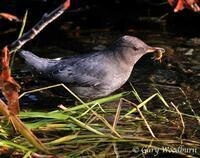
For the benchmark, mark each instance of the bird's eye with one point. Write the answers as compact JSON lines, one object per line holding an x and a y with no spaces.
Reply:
{"x":125,"y":37}
{"x":134,"y":48}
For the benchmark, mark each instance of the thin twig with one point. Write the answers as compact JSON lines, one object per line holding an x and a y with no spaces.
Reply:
{"x":145,"y":121}
{"x":53,"y":86}
{"x":106,"y":123}
{"x":182,"y":121}
{"x":138,"y":109}
{"x":116,"y":150}
{"x":117,"y":115}
{"x":189,"y":103}
{"x":46,"y":19}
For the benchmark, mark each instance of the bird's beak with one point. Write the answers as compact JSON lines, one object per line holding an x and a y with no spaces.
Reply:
{"x":154,"y":49}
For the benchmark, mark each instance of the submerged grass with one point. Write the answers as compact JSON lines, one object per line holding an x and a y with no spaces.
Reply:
{"x":109,"y":126}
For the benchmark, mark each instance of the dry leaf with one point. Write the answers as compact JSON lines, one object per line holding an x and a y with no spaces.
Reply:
{"x":8,"y":85}
{"x":181,"y":4}
{"x":9,"y":17}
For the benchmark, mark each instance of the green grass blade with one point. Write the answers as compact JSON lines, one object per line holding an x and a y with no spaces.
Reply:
{"x":24,"y":131}
{"x":63,"y":139}
{"x":50,"y":115}
{"x":13,"y":145}
{"x":83,"y":125}
{"x":99,"y":101}
{"x":141,"y":105}
{"x":20,"y":34}
{"x":162,"y":98}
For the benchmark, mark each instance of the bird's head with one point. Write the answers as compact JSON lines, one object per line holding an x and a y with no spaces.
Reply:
{"x":137,"y":44}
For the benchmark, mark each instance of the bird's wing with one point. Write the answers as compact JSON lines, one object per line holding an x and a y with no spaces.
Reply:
{"x":86,"y":72}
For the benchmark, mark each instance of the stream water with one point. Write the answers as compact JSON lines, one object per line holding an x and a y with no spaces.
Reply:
{"x":177,"y":77}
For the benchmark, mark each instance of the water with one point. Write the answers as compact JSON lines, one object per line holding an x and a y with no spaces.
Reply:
{"x":179,"y":68}
{"x":177,"y":78}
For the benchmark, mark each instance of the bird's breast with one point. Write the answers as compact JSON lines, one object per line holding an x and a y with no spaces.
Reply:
{"x":117,"y":77}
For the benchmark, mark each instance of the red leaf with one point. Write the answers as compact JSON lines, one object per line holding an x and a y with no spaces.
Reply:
{"x":8,"y":85}
{"x":179,"y":6}
{"x":172,"y":2}
{"x":9,"y":17}
{"x":66,"y":4}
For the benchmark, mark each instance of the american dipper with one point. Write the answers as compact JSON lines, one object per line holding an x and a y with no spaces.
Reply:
{"x":96,"y":74}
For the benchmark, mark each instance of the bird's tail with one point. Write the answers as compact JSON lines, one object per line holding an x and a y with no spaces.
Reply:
{"x":37,"y":63}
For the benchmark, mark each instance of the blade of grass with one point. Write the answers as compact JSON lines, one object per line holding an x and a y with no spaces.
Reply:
{"x":182,"y":121}
{"x":50,"y":115}
{"x":40,"y":123}
{"x":145,"y":121}
{"x":117,"y":115}
{"x":3,"y":133}
{"x":89,"y":109}
{"x":28,"y":154}
{"x":83,"y":125}
{"x":107,"y":124}
{"x":53,"y":86}
{"x":162,"y":98}
{"x":141,"y":105}
{"x":4,"y":110}
{"x":135,"y":93}
{"x":99,"y":101}
{"x":20,"y":34}
{"x":19,"y":126}
{"x":146,"y":101}
{"x":184,"y":114}
{"x":190,"y":106}
{"x":62,"y":139}
{"x":13,"y":145}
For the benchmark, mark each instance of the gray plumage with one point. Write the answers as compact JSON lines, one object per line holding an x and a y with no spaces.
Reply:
{"x":96,"y":74}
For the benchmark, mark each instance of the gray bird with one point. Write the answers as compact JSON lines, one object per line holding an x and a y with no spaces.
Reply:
{"x":95,"y":74}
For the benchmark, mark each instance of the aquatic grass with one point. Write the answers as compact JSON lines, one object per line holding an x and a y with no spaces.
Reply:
{"x":142,"y":116}
{"x":83,"y":105}
{"x":10,"y":144}
{"x":146,"y":101}
{"x":101,"y":118}
{"x":135,"y":93}
{"x":50,"y":87}
{"x":117,"y":115}
{"x":184,"y":114}
{"x":90,"y":108}
{"x":86,"y":125}
{"x":181,"y":118}
{"x":3,"y":132}
{"x":83,"y":125}
{"x":190,"y":106}
{"x":63,"y":139}
{"x":55,"y":116}
{"x":19,"y":126}
{"x":100,"y":101}
{"x":107,"y":124}
{"x":20,"y":34}
{"x":58,"y":115}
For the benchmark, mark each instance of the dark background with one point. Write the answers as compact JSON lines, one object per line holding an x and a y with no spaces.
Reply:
{"x":119,"y":14}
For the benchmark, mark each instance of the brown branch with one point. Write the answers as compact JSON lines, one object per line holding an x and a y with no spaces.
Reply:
{"x":46,"y":19}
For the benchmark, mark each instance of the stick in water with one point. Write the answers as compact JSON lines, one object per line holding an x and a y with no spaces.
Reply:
{"x":46,"y":19}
